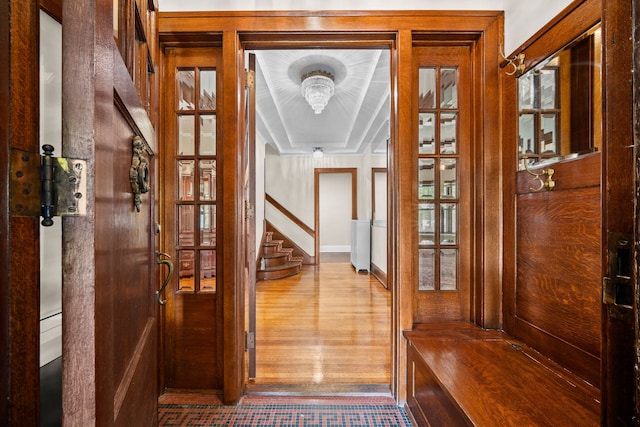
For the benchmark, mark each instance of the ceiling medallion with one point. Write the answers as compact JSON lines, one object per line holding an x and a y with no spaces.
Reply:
{"x":317,"y":88}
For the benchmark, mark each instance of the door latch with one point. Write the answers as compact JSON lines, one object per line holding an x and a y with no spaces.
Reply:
{"x":618,"y":287}
{"x":47,"y":186}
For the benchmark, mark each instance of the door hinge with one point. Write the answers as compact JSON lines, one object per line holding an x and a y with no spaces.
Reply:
{"x":249,"y":211}
{"x":249,"y":340}
{"x":249,"y":79}
{"x":47,"y":186}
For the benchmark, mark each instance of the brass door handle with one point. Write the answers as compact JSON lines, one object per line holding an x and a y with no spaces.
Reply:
{"x":161,"y":260}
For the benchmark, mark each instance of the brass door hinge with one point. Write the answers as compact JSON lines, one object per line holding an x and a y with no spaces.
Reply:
{"x":249,"y":79}
{"x":249,"y":211}
{"x":47,"y":186}
{"x":249,"y":340}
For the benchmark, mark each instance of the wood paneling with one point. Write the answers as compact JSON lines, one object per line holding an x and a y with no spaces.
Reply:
{"x":558,"y":291}
{"x":553,"y":256}
{"x":481,"y":30}
{"x":558,"y":265}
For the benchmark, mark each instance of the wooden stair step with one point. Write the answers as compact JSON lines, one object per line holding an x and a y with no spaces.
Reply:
{"x":278,"y":272}
{"x":275,"y":260}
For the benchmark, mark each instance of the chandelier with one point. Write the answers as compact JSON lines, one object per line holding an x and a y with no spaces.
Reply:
{"x":317,"y":88}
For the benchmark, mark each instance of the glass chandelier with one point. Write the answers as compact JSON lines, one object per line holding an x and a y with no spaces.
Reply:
{"x":317,"y":88}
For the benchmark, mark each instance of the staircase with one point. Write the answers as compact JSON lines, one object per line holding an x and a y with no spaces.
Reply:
{"x":277,"y":262}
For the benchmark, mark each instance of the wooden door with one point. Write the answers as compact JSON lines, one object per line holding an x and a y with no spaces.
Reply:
{"x":192,"y":314}
{"x":109,"y":261}
{"x":249,"y":195}
{"x":443,"y":148}
{"x":109,"y":271}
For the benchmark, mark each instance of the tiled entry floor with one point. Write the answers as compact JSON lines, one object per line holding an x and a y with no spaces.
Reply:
{"x":200,"y":410}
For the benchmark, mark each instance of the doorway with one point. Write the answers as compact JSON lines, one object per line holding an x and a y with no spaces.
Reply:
{"x":289,"y":173}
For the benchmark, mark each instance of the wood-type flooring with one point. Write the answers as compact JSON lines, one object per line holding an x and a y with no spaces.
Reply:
{"x":326,"y":329}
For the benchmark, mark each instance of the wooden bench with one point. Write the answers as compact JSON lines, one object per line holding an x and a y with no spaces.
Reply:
{"x":459,"y":374}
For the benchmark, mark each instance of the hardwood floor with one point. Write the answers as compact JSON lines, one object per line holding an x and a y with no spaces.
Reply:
{"x":327,"y":328}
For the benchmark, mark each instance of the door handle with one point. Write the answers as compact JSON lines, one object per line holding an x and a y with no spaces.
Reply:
{"x":169,"y":264}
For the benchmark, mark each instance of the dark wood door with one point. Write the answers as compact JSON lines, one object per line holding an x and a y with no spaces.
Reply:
{"x":109,"y":271}
{"x":110,"y":326}
{"x":443,"y":148}
{"x":192,"y":313}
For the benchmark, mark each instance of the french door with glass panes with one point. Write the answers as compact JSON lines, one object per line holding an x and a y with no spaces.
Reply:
{"x":443,"y":150}
{"x":192,"y":328}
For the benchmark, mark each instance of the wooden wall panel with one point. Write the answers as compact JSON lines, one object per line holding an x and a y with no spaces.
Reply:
{"x":558,"y":291}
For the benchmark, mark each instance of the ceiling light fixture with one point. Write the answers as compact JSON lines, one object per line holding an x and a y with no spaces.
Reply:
{"x":317,"y":88}
{"x":317,"y":153}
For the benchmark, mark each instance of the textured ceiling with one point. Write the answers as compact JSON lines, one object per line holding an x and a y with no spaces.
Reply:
{"x":356,"y":117}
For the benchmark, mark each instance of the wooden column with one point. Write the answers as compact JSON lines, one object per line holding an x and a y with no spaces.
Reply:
{"x":618,"y":325}
{"x":231,"y":242}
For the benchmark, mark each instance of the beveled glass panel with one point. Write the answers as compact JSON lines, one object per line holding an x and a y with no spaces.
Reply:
{"x":448,"y":269}
{"x":186,"y":169}
{"x":186,"y":268}
{"x":207,"y":90}
{"x":426,"y":267}
{"x":186,"y":135}
{"x":548,"y":89}
{"x":448,"y":179}
{"x":448,"y":223}
{"x":448,"y":133}
{"x":548,"y":144}
{"x":427,"y":133}
{"x":526,"y":91}
{"x":426,"y":223}
{"x":185,"y":225}
{"x":207,"y":144}
{"x":427,"y":88}
{"x":208,"y":270}
{"x":186,"y":89}
{"x":207,"y":225}
{"x":526,"y":131}
{"x":207,"y":179}
{"x":448,"y":88}
{"x":426,"y":179}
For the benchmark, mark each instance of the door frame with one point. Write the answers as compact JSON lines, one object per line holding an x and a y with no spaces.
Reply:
{"x":19,"y":246}
{"x":397,"y":31}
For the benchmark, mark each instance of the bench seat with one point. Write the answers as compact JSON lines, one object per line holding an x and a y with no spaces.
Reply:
{"x":460,"y":374}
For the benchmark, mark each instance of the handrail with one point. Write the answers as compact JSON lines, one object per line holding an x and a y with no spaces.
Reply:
{"x":289,"y":215}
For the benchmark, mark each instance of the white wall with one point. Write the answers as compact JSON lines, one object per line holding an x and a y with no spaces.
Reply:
{"x":50,"y":237}
{"x":290,"y":181}
{"x":335,"y":212}
{"x":522,"y":18}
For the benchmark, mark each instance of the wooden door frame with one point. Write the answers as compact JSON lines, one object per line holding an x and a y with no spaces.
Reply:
{"x":20,"y":265}
{"x":397,"y":31}
{"x":619,"y":333}
{"x":316,"y":200}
